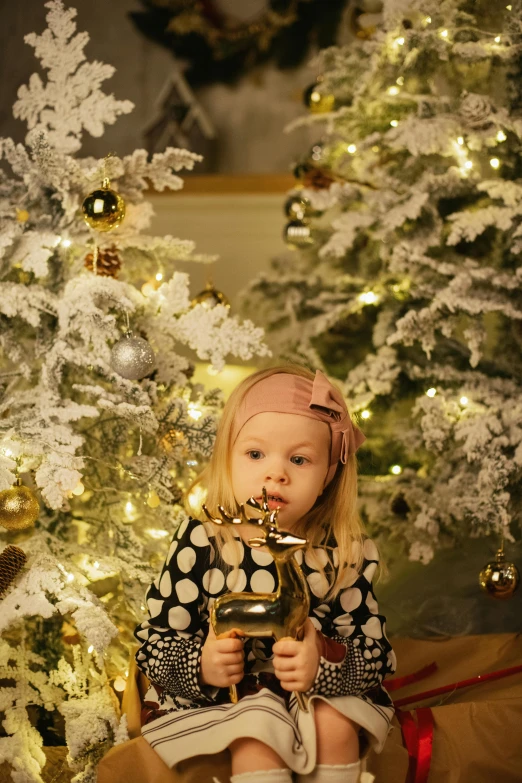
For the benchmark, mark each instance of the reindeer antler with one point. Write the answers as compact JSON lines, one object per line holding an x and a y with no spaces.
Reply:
{"x":268,"y":518}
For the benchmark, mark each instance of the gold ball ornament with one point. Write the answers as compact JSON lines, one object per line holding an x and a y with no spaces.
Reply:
{"x":210,"y":297}
{"x":318,"y":100}
{"x":19,"y":507}
{"x":498,"y":578}
{"x":103,"y":209}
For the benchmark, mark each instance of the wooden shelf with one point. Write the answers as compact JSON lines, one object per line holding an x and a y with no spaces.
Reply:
{"x":217,"y":184}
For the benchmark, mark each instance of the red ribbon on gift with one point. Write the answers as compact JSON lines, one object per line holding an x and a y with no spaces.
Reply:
{"x":417,"y":725}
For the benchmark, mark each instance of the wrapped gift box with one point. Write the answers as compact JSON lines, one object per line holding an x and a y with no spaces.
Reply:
{"x":476,"y":730}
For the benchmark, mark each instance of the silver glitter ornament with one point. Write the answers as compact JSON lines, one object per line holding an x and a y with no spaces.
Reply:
{"x":132,"y":357}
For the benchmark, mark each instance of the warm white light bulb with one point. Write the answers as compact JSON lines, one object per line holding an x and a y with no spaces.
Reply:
{"x":79,"y":489}
{"x":368,"y":297}
{"x":351,"y":148}
{"x":70,"y":577}
{"x":396,"y":470}
{"x":463,"y":400}
{"x":399,"y":41}
{"x":443,"y":33}
{"x":497,"y":39}
{"x":509,"y":7}
{"x":155,"y":533}
{"x":431,"y":392}
{"x":66,"y":243}
{"x":394,"y":123}
{"x":194,"y":411}
{"x":96,"y":564}
{"x":501,"y":136}
{"x":90,"y":649}
{"x":427,"y":19}
{"x":365,"y":414}
{"x":159,"y":276}
{"x":468,"y":164}
{"x":400,"y":80}
{"x":393,"y":90}
{"x":494,"y":163}
{"x":119,"y":683}
{"x":460,"y":140}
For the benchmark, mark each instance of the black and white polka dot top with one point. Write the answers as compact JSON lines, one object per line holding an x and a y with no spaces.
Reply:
{"x":179,"y":602}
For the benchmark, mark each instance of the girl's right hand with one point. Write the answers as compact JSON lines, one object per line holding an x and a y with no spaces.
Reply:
{"x":222,"y":659}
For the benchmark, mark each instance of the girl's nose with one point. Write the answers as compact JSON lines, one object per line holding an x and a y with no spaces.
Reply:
{"x":276,"y":472}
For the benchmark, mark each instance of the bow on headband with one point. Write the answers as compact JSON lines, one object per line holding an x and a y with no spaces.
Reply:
{"x":346,"y":437}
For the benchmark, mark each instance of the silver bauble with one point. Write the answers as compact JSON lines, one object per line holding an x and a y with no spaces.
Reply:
{"x":132,"y":357}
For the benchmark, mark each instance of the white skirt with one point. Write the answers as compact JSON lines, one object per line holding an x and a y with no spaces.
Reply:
{"x":183,"y":734}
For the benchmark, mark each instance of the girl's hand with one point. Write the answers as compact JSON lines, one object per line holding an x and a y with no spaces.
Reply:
{"x":222,"y":659}
{"x":296,"y":663}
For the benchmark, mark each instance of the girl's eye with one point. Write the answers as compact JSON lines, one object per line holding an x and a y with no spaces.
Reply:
{"x":254,"y":454}
{"x":297,"y":460}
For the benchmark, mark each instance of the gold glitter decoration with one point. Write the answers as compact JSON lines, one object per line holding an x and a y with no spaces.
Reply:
{"x":19,"y":508}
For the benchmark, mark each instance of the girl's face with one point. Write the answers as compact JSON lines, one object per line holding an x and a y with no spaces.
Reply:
{"x":286,"y":453}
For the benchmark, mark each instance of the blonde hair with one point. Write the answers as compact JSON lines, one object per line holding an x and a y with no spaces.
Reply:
{"x":334,"y":512}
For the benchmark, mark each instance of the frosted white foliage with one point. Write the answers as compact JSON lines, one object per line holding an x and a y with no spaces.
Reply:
{"x":72,"y":100}
{"x":430,"y":136}
{"x":212,"y":333}
{"x":27,"y":304}
{"x":373,"y":377}
{"x":44,"y":589}
{"x":410,"y":209}
{"x":423,"y":553}
{"x":345,"y":232}
{"x":469,"y":225}
{"x":337,"y":193}
{"x":89,"y":721}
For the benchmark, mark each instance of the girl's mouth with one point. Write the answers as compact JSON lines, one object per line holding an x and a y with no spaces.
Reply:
{"x":274,"y":501}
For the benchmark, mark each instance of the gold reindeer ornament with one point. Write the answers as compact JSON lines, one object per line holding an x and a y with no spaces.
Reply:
{"x":278,"y":614}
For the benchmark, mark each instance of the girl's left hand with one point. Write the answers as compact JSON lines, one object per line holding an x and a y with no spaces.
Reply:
{"x":296,"y":663}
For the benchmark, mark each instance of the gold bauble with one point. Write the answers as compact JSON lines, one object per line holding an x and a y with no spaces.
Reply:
{"x":318,"y":100}
{"x":297,"y":207}
{"x":103,"y":209}
{"x":19,"y":508}
{"x":210,"y":297}
{"x":498,"y":578}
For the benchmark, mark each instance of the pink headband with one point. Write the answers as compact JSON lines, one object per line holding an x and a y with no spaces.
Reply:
{"x":286,"y":393}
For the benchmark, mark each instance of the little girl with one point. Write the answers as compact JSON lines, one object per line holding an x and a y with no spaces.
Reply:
{"x":290,"y":432}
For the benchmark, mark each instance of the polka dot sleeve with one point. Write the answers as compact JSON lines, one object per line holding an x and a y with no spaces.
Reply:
{"x":355,"y":622}
{"x":173,"y":636}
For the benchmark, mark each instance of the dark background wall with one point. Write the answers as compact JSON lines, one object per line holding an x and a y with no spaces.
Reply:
{"x":248,"y":117}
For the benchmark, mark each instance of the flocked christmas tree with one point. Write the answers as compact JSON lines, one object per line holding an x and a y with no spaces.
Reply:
{"x":407,"y":220}
{"x":100,"y":425}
